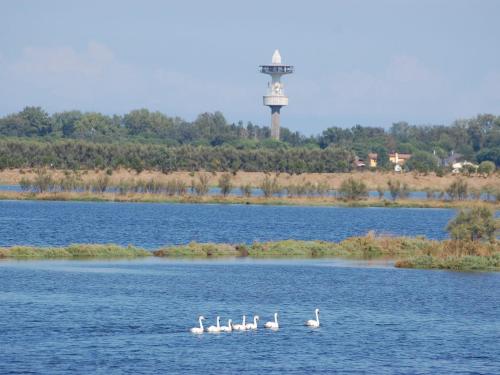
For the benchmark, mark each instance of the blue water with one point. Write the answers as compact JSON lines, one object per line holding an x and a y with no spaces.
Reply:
{"x":152,"y":225}
{"x":132,"y":317}
{"x":256,"y":192}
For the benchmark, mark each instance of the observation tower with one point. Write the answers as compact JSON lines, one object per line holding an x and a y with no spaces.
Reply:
{"x":275,"y":97}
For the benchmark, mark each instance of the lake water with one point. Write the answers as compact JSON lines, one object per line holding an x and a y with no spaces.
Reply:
{"x":116,"y":317}
{"x":152,"y":225}
{"x":255,"y":192}
{"x":133,"y":317}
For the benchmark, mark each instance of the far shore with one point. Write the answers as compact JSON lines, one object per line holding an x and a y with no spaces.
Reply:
{"x":407,"y":252}
{"x":372,"y":179}
{"x":254,"y":200}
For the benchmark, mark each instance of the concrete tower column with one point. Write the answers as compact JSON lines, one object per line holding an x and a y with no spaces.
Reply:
{"x":275,"y":97}
{"x":275,"y":121}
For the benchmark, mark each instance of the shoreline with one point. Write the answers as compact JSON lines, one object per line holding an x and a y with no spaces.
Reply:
{"x":372,"y":179}
{"x":239,"y":200}
{"x":406,"y":252}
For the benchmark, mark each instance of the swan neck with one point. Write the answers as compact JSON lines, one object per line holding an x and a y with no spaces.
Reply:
{"x":317,"y":316}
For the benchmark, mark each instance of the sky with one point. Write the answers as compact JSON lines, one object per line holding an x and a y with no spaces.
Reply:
{"x":356,"y":62}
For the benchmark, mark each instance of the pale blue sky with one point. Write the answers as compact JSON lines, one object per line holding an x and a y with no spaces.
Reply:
{"x":366,"y":62}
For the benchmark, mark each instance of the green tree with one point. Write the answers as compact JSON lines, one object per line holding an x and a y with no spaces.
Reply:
{"x":486,"y":168}
{"x":423,"y":162}
{"x":475,"y":224}
{"x":353,"y":189}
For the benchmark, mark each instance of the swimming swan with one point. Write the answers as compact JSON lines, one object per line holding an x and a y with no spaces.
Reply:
{"x":199,"y":329}
{"x":215,"y":329}
{"x":254,"y":324}
{"x":242,"y":326}
{"x":227,"y":328}
{"x":314,"y":323}
{"x":273,"y":325}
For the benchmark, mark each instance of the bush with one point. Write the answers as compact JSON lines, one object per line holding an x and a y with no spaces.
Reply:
{"x":397,"y":189}
{"x":322,"y":188}
{"x":246,"y":190}
{"x":353,"y":189}
{"x":201,"y":187}
{"x":486,"y":168}
{"x":269,"y":186}
{"x":100,"y":184}
{"x":475,"y":224}
{"x":25,"y":184}
{"x":43,"y":181}
{"x":225,"y":184}
{"x":457,"y":190}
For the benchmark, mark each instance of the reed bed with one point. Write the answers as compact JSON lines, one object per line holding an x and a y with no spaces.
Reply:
{"x":408,"y":252}
{"x":79,"y":251}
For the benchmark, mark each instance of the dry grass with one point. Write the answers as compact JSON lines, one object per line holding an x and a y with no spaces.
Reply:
{"x":259,"y":200}
{"x":73,"y":251}
{"x":333,"y":180}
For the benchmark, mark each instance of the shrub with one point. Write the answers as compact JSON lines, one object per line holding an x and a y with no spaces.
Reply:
{"x":201,"y":186}
{"x":124,"y":186}
{"x":100,"y":184}
{"x":225,"y":184}
{"x":486,"y":168}
{"x":396,"y":189}
{"x":457,"y":190}
{"x":25,"y":184}
{"x":353,"y":189}
{"x":181,"y":187}
{"x":246,"y":190}
{"x":322,"y":188}
{"x":269,"y":186}
{"x":474,"y":224}
{"x":43,"y":181}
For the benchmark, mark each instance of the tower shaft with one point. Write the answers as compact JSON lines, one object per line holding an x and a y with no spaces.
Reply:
{"x":275,"y":121}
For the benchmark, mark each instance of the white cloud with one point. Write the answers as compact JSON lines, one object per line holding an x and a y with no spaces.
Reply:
{"x":59,"y":78}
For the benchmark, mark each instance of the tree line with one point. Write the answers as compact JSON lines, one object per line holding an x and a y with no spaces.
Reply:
{"x":476,"y":139}
{"x":75,"y":155}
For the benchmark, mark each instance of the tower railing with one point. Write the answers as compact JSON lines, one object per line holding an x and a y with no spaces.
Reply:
{"x":276,"y":69}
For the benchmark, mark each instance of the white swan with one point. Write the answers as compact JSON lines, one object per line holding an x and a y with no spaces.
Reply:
{"x":199,"y":329}
{"x":215,"y":329}
{"x":227,"y":328}
{"x":273,"y":325}
{"x":254,"y":324}
{"x":314,"y":323}
{"x":242,"y":326}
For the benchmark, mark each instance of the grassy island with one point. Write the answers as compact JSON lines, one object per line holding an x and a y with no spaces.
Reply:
{"x":75,"y":251}
{"x":407,"y":252}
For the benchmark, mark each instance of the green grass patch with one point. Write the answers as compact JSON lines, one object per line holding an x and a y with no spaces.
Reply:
{"x":73,"y":251}
{"x":198,"y":250}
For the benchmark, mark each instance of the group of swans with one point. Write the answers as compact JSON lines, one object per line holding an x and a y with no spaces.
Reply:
{"x":244,"y":326}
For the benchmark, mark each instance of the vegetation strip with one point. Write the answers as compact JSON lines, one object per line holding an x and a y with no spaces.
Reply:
{"x":217,"y":199}
{"x":408,"y":252}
